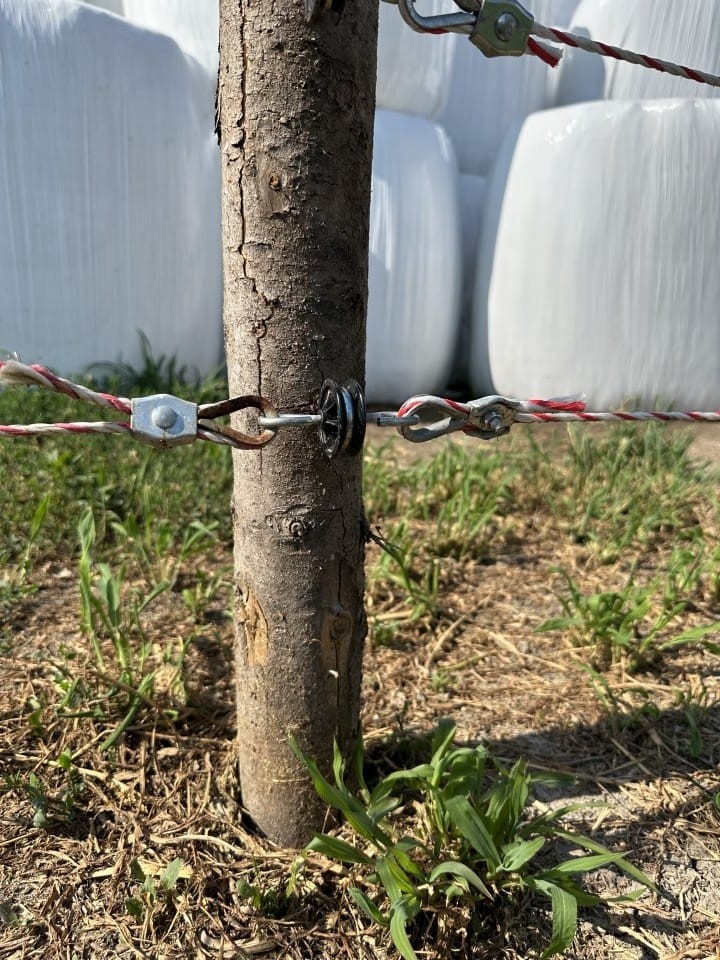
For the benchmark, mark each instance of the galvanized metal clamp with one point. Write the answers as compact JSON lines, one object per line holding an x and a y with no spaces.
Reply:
{"x":499,"y":28}
{"x":164,"y":420}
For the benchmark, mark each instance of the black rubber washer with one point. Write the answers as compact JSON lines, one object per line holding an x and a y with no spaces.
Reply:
{"x":359,"y":420}
{"x":334,"y":427}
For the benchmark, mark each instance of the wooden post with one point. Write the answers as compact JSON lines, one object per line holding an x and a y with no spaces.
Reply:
{"x":296,"y":110}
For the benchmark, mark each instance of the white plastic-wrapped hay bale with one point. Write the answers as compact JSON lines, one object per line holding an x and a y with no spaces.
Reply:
{"x":112,"y":6}
{"x":598,"y":264}
{"x":413,"y":69}
{"x":487,"y":96}
{"x":685,"y":33}
{"x":561,"y":12}
{"x":109,"y":191}
{"x":414,"y":259}
{"x":193,"y":24}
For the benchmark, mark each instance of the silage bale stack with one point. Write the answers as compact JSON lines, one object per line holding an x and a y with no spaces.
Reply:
{"x":596,"y":271}
{"x":110,"y":201}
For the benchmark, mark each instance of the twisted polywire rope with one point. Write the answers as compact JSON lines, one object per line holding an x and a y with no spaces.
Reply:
{"x":690,"y":416}
{"x":15,"y":373}
{"x":46,"y":429}
{"x":618,"y":53}
{"x":555,"y":35}
{"x":455,"y":416}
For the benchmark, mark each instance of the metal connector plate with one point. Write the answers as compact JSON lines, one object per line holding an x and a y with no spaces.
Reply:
{"x":163,"y":420}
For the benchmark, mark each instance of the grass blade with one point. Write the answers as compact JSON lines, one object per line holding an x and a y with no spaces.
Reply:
{"x":564,"y":917}
{"x":336,"y":849}
{"x":400,"y":914}
{"x":473,"y":829}
{"x":454,"y":868}
{"x":516,"y":855}
{"x":368,"y":906}
{"x":582,"y":864}
{"x":627,"y":868}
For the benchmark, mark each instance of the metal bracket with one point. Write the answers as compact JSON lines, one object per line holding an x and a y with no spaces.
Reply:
{"x":502,"y":28}
{"x":163,"y":420}
{"x":499,"y":28}
{"x":444,"y":22}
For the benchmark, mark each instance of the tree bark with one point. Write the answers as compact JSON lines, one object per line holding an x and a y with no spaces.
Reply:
{"x":296,"y":108}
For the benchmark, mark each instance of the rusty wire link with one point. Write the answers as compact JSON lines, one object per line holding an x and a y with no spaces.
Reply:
{"x":208,"y":412}
{"x":428,"y":417}
{"x":493,"y":416}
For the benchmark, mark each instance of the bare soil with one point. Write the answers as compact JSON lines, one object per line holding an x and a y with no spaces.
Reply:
{"x":65,"y":884}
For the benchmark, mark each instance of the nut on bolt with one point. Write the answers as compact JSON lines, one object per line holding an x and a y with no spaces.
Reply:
{"x":505,"y":26}
{"x":502,"y":28}
{"x":495,"y":423}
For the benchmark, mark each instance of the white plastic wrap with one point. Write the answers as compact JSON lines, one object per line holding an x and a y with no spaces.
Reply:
{"x":486,"y":96}
{"x":112,"y":6}
{"x":413,"y":69}
{"x":598,"y":268}
{"x":193,"y":24}
{"x":109,"y":191}
{"x":560,"y":13}
{"x":685,"y":33}
{"x":414,"y":274}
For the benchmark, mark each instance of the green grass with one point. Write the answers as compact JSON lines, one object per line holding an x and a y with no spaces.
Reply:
{"x":128,"y":486}
{"x":477,"y":840}
{"x":457,"y":497}
{"x":618,"y":494}
{"x":629,"y":488}
{"x":128,"y":523}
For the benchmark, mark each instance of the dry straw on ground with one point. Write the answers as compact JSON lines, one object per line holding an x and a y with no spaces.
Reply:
{"x":68,"y":884}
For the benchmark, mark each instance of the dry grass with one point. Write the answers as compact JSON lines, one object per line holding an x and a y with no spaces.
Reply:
{"x":171,"y":790}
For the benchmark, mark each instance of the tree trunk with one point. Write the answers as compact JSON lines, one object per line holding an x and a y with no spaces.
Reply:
{"x":296,"y":107}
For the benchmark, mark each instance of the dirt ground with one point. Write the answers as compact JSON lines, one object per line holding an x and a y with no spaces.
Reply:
{"x":65,"y":884}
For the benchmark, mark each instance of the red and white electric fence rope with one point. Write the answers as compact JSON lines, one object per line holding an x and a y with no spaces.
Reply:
{"x":617,"y":53}
{"x":552,"y":56}
{"x":494,"y":415}
{"x":46,"y":429}
{"x":423,"y":417}
{"x":13,"y":373}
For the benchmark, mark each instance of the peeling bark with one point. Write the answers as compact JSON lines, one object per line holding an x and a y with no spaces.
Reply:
{"x":295,"y":110}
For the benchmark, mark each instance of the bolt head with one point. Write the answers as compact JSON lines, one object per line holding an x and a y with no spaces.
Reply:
{"x":505,"y":26}
{"x":163,"y":417}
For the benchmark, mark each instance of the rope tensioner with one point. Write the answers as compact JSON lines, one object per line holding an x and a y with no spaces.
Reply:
{"x":501,"y":28}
